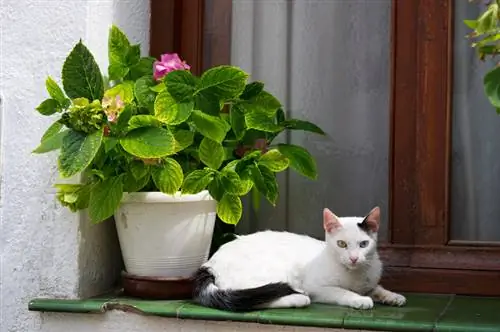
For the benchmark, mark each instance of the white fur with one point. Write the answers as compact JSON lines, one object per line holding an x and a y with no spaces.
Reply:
{"x":321,"y":270}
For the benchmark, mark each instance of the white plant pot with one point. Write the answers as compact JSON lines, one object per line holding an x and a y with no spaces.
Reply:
{"x":165,"y":235}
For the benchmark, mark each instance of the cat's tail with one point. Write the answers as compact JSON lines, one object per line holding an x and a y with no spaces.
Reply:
{"x":206,"y":293}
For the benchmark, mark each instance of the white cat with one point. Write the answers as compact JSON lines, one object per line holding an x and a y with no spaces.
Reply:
{"x":272,"y":269}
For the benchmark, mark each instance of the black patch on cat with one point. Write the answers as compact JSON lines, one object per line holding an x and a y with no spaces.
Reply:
{"x":364,"y":226}
{"x":235,"y":300}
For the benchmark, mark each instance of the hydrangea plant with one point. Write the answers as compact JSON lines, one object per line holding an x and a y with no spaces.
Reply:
{"x":154,"y":126}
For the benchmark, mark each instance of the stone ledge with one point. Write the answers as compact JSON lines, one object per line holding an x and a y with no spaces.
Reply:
{"x":422,"y":313}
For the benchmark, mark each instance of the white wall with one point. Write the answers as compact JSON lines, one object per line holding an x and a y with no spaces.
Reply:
{"x":46,"y":250}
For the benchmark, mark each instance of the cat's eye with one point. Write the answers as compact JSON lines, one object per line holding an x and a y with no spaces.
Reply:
{"x":363,"y":244}
{"x":341,"y":244}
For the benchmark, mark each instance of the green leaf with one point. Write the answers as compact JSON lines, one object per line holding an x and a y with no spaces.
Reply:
{"x":117,"y":71}
{"x":300,"y":160}
{"x":131,"y":184}
{"x":149,"y":142}
{"x":77,"y":151}
{"x":471,"y":23}
{"x":165,"y":107}
{"x":52,"y":142}
{"x":52,"y":130}
{"x":142,"y":68}
{"x":209,"y":103}
{"x":159,"y":87}
{"x":216,"y":187}
{"x":264,"y":102}
{"x":183,"y":139}
{"x":210,"y":126}
{"x":144,"y":120}
{"x":492,"y":86}
{"x":256,"y":176}
{"x":237,"y":118}
{"x":252,"y":90}
{"x":280,"y":115}
{"x":212,"y":153}
{"x":124,"y":118}
{"x":105,"y":197}
{"x":81,"y":76}
{"x":125,"y":90}
{"x":48,"y":107}
{"x":74,"y":196}
{"x":109,"y":143}
{"x":274,"y":160}
{"x":271,"y":192}
{"x":245,"y":182}
{"x":168,"y":178}
{"x":225,"y":82}
{"x":145,"y":96}
{"x":168,"y":110}
{"x":229,"y":209}
{"x":488,"y":20}
{"x":133,"y":55}
{"x":231,"y":182}
{"x":184,"y":111}
{"x":181,"y":85}
{"x":138,"y":169}
{"x":262,"y":122}
{"x":118,"y":46}
{"x":302,"y":125}
{"x":56,"y":93}
{"x":197,"y":181}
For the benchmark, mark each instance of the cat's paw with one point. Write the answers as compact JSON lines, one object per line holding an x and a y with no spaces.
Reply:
{"x":395,"y":299}
{"x":361,"y":302}
{"x":297,"y":300}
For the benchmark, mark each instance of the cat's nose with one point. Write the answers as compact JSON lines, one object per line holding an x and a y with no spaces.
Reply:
{"x":353,"y":259}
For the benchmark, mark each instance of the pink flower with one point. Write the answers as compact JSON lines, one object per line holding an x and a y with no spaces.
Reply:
{"x":168,"y":63}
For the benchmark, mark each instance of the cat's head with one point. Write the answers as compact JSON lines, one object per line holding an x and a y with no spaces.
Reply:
{"x":353,"y":240}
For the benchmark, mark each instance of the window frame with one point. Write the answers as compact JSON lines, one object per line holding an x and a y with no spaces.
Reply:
{"x":418,"y":256}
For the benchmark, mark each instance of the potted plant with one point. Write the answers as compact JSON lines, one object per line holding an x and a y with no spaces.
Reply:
{"x":164,"y":151}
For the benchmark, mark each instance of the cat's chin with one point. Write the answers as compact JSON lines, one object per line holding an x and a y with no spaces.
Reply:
{"x":352,"y":267}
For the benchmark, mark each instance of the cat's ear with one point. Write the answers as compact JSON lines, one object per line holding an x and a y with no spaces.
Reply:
{"x":372,"y":221}
{"x":331,"y":222}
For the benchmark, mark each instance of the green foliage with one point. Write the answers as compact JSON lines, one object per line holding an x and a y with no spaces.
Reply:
{"x":485,"y":38}
{"x":167,"y":132}
{"x":81,"y":75}
{"x":77,"y":151}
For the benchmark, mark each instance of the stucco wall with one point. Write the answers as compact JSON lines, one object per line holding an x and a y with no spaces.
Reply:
{"x":46,"y":250}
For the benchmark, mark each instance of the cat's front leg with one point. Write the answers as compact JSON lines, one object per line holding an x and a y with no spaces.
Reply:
{"x":382,"y":295}
{"x":340,"y":296}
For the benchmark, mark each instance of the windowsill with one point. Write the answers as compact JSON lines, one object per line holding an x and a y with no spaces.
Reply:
{"x":424,"y":312}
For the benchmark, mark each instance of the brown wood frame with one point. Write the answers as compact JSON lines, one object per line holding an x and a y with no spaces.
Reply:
{"x":419,"y":256}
